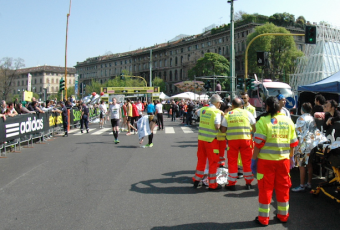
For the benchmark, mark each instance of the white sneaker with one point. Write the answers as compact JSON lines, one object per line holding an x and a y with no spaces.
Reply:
{"x":308,"y":186}
{"x":299,"y":189}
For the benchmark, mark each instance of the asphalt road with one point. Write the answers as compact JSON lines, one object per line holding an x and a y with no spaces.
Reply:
{"x":87,"y":182}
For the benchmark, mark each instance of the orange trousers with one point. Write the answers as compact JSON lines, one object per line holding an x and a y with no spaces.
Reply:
{"x":273,"y":175}
{"x":207,"y":150}
{"x":221,"y":147}
{"x":245,"y":148}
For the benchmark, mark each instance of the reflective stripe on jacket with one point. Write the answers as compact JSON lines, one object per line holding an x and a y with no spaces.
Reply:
{"x":238,"y":125}
{"x":278,"y":135}
{"x":206,"y":130}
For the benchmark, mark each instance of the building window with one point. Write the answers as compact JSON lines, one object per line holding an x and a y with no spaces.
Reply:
{"x":189,"y":48}
{"x":40,"y":80}
{"x":202,"y":45}
{"x":196,"y":47}
{"x":181,"y":74}
{"x":181,"y":50}
{"x":160,"y":63}
{"x":170,"y":78}
{"x":170,"y":62}
{"x":18,"y":83}
{"x":164,"y":76}
{"x":181,"y":60}
{"x":219,"y":51}
{"x":165,"y":62}
{"x":220,"y":40}
{"x":175,"y":61}
{"x":188,"y":57}
{"x":171,"y":52}
{"x":176,"y":75}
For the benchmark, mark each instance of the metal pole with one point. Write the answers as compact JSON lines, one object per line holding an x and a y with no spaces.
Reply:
{"x":68,"y":15}
{"x":232,"y":53}
{"x":151,"y":68}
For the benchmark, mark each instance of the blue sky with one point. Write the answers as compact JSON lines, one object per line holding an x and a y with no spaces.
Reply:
{"x":35,"y":30}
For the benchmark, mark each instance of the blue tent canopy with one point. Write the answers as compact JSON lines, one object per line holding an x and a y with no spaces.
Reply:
{"x":330,"y":84}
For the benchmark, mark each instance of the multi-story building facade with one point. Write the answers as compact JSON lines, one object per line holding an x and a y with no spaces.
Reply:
{"x":171,"y":61}
{"x":43,"y":77}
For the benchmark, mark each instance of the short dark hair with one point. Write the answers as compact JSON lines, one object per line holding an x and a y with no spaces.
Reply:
{"x":321,"y":99}
{"x":307,"y":107}
{"x":333,"y":103}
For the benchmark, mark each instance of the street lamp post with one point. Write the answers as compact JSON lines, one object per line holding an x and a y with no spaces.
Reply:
{"x":68,"y":15}
{"x":232,"y":53}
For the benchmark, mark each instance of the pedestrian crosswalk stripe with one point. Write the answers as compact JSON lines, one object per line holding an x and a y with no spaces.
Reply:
{"x":105,"y":131}
{"x":101,"y":131}
{"x":187,"y":130}
{"x":169,"y":130}
{"x":73,"y":130}
{"x":83,"y":131}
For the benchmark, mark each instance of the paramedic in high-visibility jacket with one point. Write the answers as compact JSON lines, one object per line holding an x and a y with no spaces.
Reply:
{"x":210,"y":121}
{"x":275,"y":139}
{"x":238,"y":124}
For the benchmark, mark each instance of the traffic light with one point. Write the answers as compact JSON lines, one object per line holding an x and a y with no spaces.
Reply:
{"x":260,"y":59}
{"x":207,"y":85}
{"x":61,"y":84}
{"x":310,"y":35}
{"x":250,"y":84}
{"x":240,"y":82}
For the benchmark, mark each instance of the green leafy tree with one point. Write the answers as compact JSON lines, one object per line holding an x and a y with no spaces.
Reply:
{"x":158,"y":82}
{"x":282,"y":19}
{"x":282,"y":51}
{"x":301,"y":20}
{"x":94,"y":86}
{"x":209,"y":65}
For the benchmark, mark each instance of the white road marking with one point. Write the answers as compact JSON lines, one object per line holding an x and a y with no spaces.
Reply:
{"x":169,"y":130}
{"x":187,"y":130}
{"x":84,"y":132}
{"x":100,"y":131}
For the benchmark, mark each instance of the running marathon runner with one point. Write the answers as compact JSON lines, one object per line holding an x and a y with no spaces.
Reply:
{"x":114,"y":110}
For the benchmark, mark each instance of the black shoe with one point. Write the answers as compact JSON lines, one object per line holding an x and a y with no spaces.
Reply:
{"x":215,"y":189}
{"x":81,"y":131}
{"x":231,"y":187}
{"x":239,"y":175}
{"x":249,"y":186}
{"x":65,"y":135}
{"x":196,"y":183}
{"x":87,"y":131}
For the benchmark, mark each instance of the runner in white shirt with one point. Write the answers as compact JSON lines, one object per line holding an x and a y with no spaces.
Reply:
{"x":159,"y":112}
{"x":114,"y":111}
{"x":103,"y":111}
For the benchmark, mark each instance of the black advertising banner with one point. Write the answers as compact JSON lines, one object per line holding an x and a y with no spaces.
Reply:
{"x":22,"y":125}
{"x":27,"y":124}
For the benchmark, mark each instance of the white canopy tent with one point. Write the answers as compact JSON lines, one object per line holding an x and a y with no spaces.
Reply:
{"x":203,"y":97}
{"x":161,"y":95}
{"x":187,"y":95}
